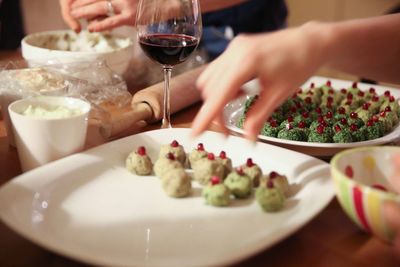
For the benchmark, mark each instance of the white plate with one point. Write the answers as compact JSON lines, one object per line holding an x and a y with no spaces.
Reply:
{"x":234,"y":110}
{"x":89,"y":207}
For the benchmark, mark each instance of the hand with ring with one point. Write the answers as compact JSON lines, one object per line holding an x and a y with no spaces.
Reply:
{"x":101,"y":14}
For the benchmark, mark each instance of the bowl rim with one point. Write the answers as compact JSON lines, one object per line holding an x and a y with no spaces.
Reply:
{"x":334,"y":168}
{"x":24,"y":42}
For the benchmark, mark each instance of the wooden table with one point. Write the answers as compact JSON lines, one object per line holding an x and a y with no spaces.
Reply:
{"x":329,"y":240}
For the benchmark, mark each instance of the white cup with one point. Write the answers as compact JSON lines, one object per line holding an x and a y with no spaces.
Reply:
{"x":41,"y":140}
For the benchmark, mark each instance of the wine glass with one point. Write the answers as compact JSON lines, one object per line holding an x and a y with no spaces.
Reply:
{"x":168,"y":32}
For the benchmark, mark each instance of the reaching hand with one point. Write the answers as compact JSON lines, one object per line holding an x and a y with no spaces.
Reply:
{"x":282,"y":61}
{"x":96,"y":13}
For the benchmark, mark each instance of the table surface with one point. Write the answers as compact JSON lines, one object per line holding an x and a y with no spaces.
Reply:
{"x":330,"y":239}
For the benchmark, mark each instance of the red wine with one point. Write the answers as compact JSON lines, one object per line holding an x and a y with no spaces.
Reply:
{"x":168,"y":49}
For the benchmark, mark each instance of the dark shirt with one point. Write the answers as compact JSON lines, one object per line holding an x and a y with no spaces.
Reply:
{"x":11,"y":26}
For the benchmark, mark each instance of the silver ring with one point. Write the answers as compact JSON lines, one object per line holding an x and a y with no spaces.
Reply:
{"x":110,"y":9}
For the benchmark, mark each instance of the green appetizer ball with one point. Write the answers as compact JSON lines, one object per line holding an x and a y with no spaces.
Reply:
{"x":216,"y":193}
{"x":270,"y":129}
{"x":206,"y":168}
{"x":372,"y":131}
{"x":239,"y":183}
{"x":176,"y":183}
{"x":358,"y":134}
{"x":280,"y":181}
{"x":342,"y":135}
{"x":354,"y":119}
{"x":197,"y":154}
{"x":226,"y":163}
{"x":253,"y":171}
{"x":270,"y":198}
{"x":176,"y":149}
{"x":138,"y":162}
{"x":164,"y":164}
{"x":290,"y":133}
{"x":321,"y":134}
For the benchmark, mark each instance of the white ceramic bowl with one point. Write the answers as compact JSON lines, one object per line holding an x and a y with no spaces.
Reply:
{"x":41,"y":139}
{"x":50,"y":46}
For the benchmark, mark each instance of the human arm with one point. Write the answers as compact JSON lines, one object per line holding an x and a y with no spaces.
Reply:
{"x":286,"y":59}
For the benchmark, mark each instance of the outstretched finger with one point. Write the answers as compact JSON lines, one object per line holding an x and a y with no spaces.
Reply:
{"x":90,"y":11}
{"x":68,"y":18}
{"x":79,"y":3}
{"x":107,"y":24}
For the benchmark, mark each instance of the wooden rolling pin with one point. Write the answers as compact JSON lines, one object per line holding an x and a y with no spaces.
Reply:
{"x":146,"y":106}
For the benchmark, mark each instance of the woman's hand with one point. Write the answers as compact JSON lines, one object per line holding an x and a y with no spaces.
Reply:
{"x":282,"y":61}
{"x":96,"y":13}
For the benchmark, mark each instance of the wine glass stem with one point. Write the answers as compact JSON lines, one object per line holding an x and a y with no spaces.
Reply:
{"x":166,"y":122}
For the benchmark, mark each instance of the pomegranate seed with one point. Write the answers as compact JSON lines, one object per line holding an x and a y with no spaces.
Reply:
{"x":372,"y":90}
{"x":361,"y":94}
{"x":375,"y":118}
{"x":343,"y":91}
{"x":375,"y":98}
{"x":329,"y":83}
{"x":222,"y":155}
{"x":329,"y":99}
{"x":348,"y":102}
{"x":343,"y":121}
{"x":239,"y":171}
{"x":312,"y":85}
{"x":308,"y":100}
{"x":215,"y":180}
{"x":379,"y":187}
{"x":141,"y":151}
{"x":382,"y":114}
{"x":349,"y":171}
{"x":337,"y":128}
{"x":323,"y":123}
{"x":289,"y":126}
{"x":318,"y":110}
{"x":342,"y":110}
{"x":300,"y":91}
{"x":391,"y":99}
{"x":305,"y":115}
{"x":302,"y":125}
{"x":290,"y":118}
{"x":329,"y":115}
{"x":200,"y":147}
{"x":273,"y":124}
{"x":293,"y":109}
{"x":387,"y":93}
{"x":270,"y":184}
{"x":320,"y":129}
{"x":349,"y":96}
{"x":273,"y":175}
{"x":354,"y":85}
{"x":331,"y":91}
{"x":388,"y":109}
{"x":370,"y":123}
{"x":353,"y":127}
{"x":211,"y":156}
{"x":170,"y":156}
{"x":365,"y":106}
{"x":298,"y":105}
{"x":353,"y":115}
{"x":320,"y":119}
{"x":174,"y":143}
{"x":249,"y":163}
{"x":329,"y":105}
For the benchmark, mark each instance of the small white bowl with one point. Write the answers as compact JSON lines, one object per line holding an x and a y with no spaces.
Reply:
{"x":41,"y":140}
{"x":48,"y":47}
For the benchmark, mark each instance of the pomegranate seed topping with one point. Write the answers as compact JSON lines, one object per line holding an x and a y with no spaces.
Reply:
{"x":329,"y":105}
{"x":349,"y":171}
{"x":375,"y":118}
{"x":270,"y":119}
{"x":387,"y":93}
{"x":370,"y":123}
{"x":323,"y":123}
{"x":174,"y":143}
{"x":289,"y":126}
{"x":337,"y":128}
{"x":293,"y":109}
{"x":318,"y":110}
{"x":388,"y":109}
{"x":211,"y":156}
{"x":273,"y":175}
{"x":348,"y":102}
{"x":331,"y":91}
{"x":239,"y":171}
{"x":273,"y":124}
{"x":353,"y":115}
{"x":215,"y":180}
{"x":170,"y":156}
{"x":302,"y":125}
{"x":270,"y":184}
{"x":365,"y":106}
{"x":290,"y":118}
{"x":372,"y":90}
{"x":361,"y":94}
{"x":298,"y":105}
{"x":222,"y":155}
{"x":141,"y":151}
{"x":329,"y":99}
{"x":305,"y":115}
{"x":354,"y":85}
{"x":342,"y":110}
{"x":320,"y":129}
{"x":300,"y":91}
{"x":308,"y":100}
{"x":353,"y":127}
{"x":249,"y":163}
{"x":343,"y":121}
{"x":312,"y":85}
{"x":375,"y":98}
{"x":343,"y":91}
{"x":382,"y":114}
{"x":349,"y":96}
{"x":379,"y":187}
{"x":320,"y":119}
{"x":200,"y":147}
{"x":329,"y":115}
{"x":391,"y":99}
{"x":328,"y":83}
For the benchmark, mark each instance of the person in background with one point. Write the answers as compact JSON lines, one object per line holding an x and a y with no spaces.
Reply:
{"x":222,"y":19}
{"x":11,"y":24}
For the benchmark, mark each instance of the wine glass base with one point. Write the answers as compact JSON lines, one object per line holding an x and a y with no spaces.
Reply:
{"x":166,"y":124}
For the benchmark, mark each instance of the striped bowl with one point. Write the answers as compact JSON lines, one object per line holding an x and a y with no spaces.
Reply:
{"x":362,"y":187}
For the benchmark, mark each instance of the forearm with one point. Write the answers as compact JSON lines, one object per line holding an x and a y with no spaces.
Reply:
{"x":366,"y":47}
{"x":211,"y":5}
